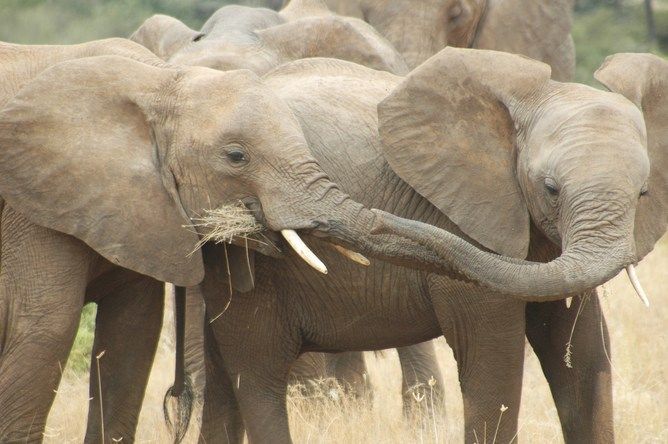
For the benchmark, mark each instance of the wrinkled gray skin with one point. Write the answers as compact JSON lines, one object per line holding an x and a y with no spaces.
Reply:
{"x":539,"y":29}
{"x":96,"y":204}
{"x":259,"y":39}
{"x":222,"y":43}
{"x":296,"y":311}
{"x":548,"y":329}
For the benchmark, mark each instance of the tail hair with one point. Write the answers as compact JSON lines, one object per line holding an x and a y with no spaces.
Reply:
{"x":179,"y":406}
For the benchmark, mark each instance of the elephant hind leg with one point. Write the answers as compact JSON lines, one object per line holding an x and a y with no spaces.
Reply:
{"x":582,"y":391}
{"x":422,"y":382}
{"x":127,"y":329}
{"x":42,"y":284}
{"x":349,"y":369}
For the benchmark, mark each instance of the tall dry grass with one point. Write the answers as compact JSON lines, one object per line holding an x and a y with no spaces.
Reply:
{"x":640,"y":354}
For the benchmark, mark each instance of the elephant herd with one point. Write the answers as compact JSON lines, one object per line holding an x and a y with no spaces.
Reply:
{"x":439,"y":138}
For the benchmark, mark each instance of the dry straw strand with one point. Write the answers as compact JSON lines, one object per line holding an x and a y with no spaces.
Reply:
{"x":225,"y":223}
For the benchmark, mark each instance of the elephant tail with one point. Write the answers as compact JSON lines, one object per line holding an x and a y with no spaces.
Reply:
{"x":177,"y":409}
{"x":179,"y":397}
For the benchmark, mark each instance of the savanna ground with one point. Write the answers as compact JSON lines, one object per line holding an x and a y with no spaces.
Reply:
{"x":639,"y":336}
{"x":639,"y":356}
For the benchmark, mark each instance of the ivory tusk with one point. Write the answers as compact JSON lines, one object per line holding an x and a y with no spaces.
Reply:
{"x":303,"y":250}
{"x":569,"y":301}
{"x":633,"y":277}
{"x":352,"y":255}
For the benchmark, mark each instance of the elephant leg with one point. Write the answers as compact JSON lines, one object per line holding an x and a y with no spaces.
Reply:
{"x":581,"y":382}
{"x":257,"y":363}
{"x":42,"y":285}
{"x":127,"y":329}
{"x":262,"y":400}
{"x":486,"y":333}
{"x":349,"y":369}
{"x":258,"y":373}
{"x":421,"y":378}
{"x":256,"y":344}
{"x":221,"y":415}
{"x":309,"y":371}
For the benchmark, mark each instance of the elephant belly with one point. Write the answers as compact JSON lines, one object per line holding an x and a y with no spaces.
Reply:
{"x":357,"y":308}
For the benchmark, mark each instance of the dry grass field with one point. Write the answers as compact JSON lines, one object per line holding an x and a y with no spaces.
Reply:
{"x":640,"y":356}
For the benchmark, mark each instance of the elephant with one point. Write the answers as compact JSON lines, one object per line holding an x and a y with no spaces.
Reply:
{"x":608,"y":196}
{"x":222,"y":44}
{"x":539,"y":29}
{"x":259,"y":39}
{"x":345,"y":114}
{"x":108,"y":157}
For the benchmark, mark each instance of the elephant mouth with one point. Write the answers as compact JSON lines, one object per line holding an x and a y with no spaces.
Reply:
{"x":318,"y":227}
{"x":244,"y":224}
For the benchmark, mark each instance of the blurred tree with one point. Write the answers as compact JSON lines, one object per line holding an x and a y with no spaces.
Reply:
{"x":649,"y":17}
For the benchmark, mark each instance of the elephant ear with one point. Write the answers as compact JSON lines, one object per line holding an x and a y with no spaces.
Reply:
{"x":448,"y":132}
{"x":643,"y":79}
{"x":77,"y":155}
{"x":540,"y":29}
{"x":164,"y":35}
{"x":336,"y":37}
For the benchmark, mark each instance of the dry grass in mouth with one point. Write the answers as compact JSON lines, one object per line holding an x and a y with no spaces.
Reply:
{"x":223,"y":224}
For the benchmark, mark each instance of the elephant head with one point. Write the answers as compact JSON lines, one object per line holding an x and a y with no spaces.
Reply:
{"x":122,"y":155}
{"x":238,"y":37}
{"x":496,"y":145}
{"x":419,"y":29}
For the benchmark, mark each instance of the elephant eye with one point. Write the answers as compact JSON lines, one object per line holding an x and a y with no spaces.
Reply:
{"x":551,"y":187}
{"x":644,"y":191}
{"x":237,"y":156}
{"x":198,"y":37}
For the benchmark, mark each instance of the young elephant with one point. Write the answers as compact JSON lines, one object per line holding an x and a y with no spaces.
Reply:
{"x":539,"y":29}
{"x":259,"y":39}
{"x":583,"y":165}
{"x":303,"y":29}
{"x":103,"y":162}
{"x":300,"y":311}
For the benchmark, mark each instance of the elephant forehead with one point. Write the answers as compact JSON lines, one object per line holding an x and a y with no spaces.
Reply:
{"x":575,"y":115}
{"x":234,"y":103}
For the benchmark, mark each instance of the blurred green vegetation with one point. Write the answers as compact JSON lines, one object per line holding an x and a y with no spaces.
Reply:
{"x":75,"y":21}
{"x":601,"y":28}
{"x":604,"y":27}
{"x":79,"y":360}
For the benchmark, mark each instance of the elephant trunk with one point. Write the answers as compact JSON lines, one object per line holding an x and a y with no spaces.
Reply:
{"x":326,"y":212}
{"x":584,"y":263}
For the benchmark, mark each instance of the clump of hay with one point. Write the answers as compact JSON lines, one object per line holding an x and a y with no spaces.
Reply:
{"x":223,"y":224}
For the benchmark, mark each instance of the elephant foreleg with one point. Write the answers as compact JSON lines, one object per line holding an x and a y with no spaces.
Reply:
{"x":253,"y":347}
{"x":127,"y":329}
{"x":42,"y":285}
{"x":221,"y":416}
{"x":486,"y":333}
{"x":422,"y":380}
{"x":573,"y":347}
